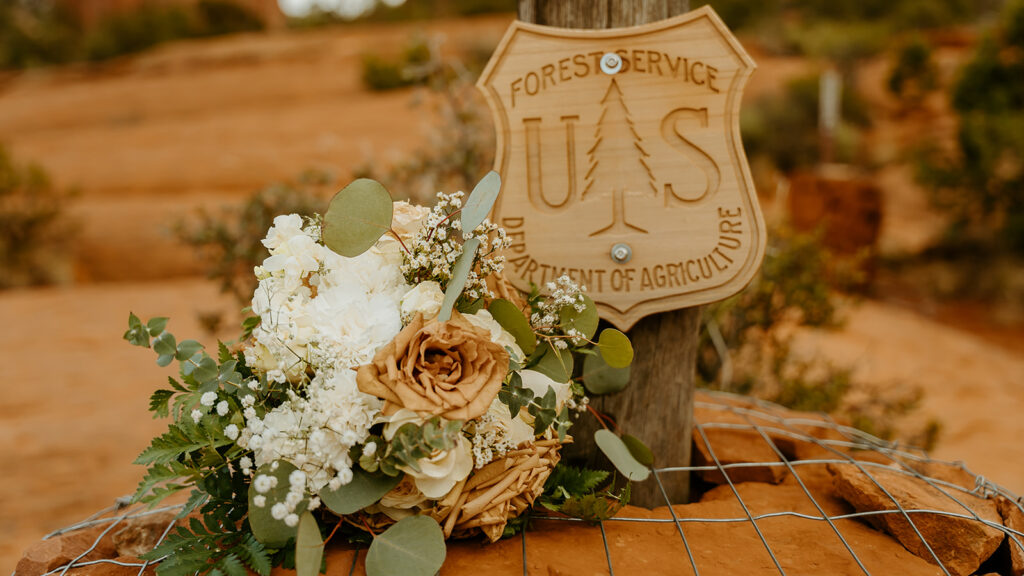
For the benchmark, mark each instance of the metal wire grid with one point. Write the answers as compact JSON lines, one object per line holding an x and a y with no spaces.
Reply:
{"x":901,"y":460}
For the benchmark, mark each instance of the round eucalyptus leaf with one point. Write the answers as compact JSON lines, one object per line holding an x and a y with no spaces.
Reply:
{"x":480,"y":201}
{"x":638,"y":449}
{"x":616,"y":450}
{"x":615,"y":348}
{"x":357,"y":217}
{"x":460,"y":273}
{"x":309,"y":547}
{"x":600,"y":378}
{"x":363,"y":490}
{"x":271,"y":532}
{"x":412,"y":547}
{"x":515,"y":323}
{"x":584,"y":322}
{"x":555,"y":364}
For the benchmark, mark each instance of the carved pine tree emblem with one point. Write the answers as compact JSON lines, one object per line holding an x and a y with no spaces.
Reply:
{"x":618,"y":162}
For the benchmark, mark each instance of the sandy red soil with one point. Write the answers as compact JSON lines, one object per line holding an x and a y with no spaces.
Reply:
{"x":148,"y":139}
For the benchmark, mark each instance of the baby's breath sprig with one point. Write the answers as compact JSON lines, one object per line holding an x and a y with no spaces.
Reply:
{"x":438,"y":245}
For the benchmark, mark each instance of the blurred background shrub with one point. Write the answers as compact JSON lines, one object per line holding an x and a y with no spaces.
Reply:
{"x":35,"y":233}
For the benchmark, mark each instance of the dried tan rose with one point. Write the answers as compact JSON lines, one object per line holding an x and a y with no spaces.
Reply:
{"x":448,"y":369}
{"x":492,"y":495}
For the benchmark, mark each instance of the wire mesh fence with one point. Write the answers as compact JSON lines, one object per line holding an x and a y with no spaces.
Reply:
{"x":821,"y":442}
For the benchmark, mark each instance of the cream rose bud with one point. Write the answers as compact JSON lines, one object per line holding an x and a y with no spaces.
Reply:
{"x":395,"y":421}
{"x":501,"y":337}
{"x":397,"y":503}
{"x":407,"y":219}
{"x":440,"y":472}
{"x":425,"y":298}
{"x":539,"y":384}
{"x":514,"y":429}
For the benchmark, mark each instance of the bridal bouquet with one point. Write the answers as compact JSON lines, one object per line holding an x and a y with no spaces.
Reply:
{"x":390,"y":383}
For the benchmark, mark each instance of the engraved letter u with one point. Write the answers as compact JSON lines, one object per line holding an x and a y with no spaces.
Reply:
{"x":548,"y":201}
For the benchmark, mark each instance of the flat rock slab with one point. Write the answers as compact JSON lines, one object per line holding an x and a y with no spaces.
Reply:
{"x":960,"y":543}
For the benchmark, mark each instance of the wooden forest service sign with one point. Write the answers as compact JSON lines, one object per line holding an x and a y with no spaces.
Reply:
{"x":622,"y":164}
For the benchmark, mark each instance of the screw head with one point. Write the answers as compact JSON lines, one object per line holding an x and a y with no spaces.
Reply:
{"x":621,"y":253}
{"x":611,"y":63}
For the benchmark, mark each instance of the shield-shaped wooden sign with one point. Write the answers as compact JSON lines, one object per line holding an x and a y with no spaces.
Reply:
{"x":622,"y":164}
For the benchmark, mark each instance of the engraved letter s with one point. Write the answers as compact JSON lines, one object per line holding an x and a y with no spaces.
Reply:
{"x":699,"y":157}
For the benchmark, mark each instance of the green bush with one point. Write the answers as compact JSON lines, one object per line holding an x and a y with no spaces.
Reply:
{"x":412,"y":67}
{"x":230,"y":242}
{"x":36,"y":33}
{"x":913,"y":74}
{"x":783,"y":127}
{"x":981,"y":184}
{"x":34,"y":232}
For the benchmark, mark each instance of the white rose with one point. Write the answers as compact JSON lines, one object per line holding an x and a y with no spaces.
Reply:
{"x":515,"y":429}
{"x":501,"y":337}
{"x":425,"y":298}
{"x":539,"y":384}
{"x":440,"y":472}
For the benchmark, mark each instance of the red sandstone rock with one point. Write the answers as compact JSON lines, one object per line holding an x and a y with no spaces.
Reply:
{"x":140,"y":535}
{"x":1013,"y":519}
{"x":59,"y":550}
{"x":736,"y":447}
{"x":961,"y":544}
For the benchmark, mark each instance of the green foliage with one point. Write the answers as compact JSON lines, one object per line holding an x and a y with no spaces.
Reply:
{"x":357,"y":217}
{"x":620,"y":455}
{"x":615,"y":348}
{"x":980,"y":184}
{"x":43,"y":33}
{"x":272,"y":532}
{"x":419,"y":10}
{"x":414,"y":546}
{"x":913,"y":74}
{"x":460,"y":273}
{"x":552,"y":362}
{"x":412,"y":443}
{"x":515,"y":323}
{"x":574,"y":492}
{"x":229,"y":242}
{"x":207,"y":549}
{"x":34,"y":232}
{"x":309,"y":547}
{"x":480,"y":201}
{"x":194,"y":453}
{"x":364,"y":489}
{"x":783,"y":127}
{"x":600,"y":378}
{"x":514,"y":395}
{"x":413,"y":67}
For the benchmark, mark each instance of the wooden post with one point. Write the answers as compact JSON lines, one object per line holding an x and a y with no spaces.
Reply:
{"x":657,"y":407}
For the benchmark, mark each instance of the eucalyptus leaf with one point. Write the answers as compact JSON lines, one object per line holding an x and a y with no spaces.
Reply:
{"x":271,"y":532}
{"x":363,"y":490}
{"x":156,"y":325}
{"x":187,"y":349}
{"x":165,"y":344}
{"x":309,"y":547}
{"x":357,"y":217}
{"x":600,"y":378}
{"x":615,"y":348}
{"x":414,"y":546}
{"x":515,"y":323}
{"x":460,"y":273}
{"x":638,"y":449}
{"x":206,"y":369}
{"x":584,"y":322}
{"x":480,"y":201}
{"x":554,"y":363}
{"x":616,"y":450}
{"x":164,"y":360}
